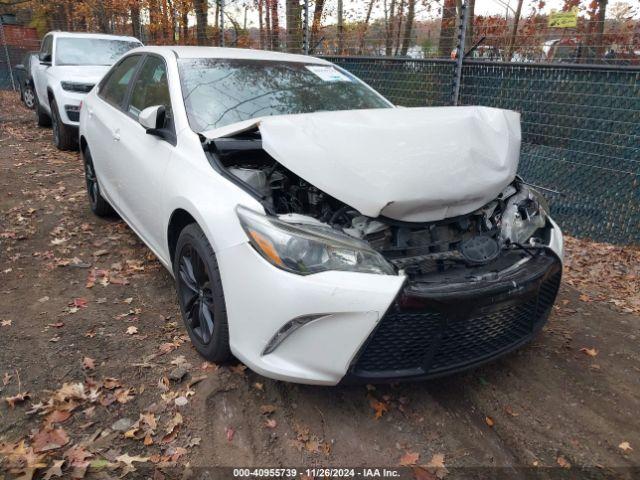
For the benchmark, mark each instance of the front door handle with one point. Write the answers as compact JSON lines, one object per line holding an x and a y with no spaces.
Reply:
{"x":116,"y":135}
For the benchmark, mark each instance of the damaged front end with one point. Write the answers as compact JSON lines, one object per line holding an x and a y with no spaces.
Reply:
{"x":478,"y":285}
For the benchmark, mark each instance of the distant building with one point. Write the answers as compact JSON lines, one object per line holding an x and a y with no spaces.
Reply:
{"x":15,"y":41}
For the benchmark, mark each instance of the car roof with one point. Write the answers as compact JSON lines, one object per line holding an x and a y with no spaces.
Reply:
{"x":231,"y":53}
{"x":105,"y":36}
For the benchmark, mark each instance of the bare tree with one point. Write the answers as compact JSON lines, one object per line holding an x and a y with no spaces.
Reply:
{"x":315,"y":24}
{"x":275,"y":27}
{"x":447,"y":29}
{"x":514,"y":31}
{"x":202,"y":10}
{"x":408,"y":29}
{"x":293,"y":10}
{"x":365,"y":26}
{"x":340,"y":27}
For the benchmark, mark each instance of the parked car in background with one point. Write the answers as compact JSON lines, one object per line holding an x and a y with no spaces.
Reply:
{"x":24,"y":80}
{"x":70,"y":64}
{"x":315,"y":231}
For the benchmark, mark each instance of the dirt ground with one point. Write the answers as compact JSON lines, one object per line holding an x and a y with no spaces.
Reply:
{"x":84,"y":303}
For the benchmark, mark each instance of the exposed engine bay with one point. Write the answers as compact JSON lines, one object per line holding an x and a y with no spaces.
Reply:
{"x":509,"y":228}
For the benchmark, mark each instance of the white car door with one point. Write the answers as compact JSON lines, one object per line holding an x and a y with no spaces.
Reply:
{"x":105,"y":116}
{"x":141,"y":166}
{"x":45,"y":60}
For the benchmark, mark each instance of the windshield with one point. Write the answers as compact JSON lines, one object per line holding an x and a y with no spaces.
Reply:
{"x":91,"y":51}
{"x":218,"y":92}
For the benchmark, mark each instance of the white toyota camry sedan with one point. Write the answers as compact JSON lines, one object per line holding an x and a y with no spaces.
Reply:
{"x":315,"y":231}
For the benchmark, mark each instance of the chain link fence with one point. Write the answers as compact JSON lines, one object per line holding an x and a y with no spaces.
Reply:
{"x":571,"y":68}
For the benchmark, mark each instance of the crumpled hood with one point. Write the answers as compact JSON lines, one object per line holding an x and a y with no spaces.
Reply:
{"x":409,"y":164}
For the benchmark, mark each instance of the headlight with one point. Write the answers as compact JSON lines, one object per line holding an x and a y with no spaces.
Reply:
{"x":525,"y":213}
{"x":305,"y":249}
{"x":76,"y":87}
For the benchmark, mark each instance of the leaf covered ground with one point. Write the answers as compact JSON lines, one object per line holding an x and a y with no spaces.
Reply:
{"x":98,"y":378}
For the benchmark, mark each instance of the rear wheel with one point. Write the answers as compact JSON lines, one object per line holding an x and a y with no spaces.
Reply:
{"x":200,"y":294}
{"x":98,"y":204}
{"x":64,"y":137}
{"x":29,"y":97}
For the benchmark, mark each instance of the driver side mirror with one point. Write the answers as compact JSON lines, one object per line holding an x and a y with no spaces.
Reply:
{"x":45,"y":58}
{"x":153,"y":120}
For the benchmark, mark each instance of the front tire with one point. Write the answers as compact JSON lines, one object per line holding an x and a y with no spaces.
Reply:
{"x":44,"y":120}
{"x":99,"y":206}
{"x":200,"y":294}
{"x":63,"y":136}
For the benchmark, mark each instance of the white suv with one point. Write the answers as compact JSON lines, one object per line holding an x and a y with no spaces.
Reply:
{"x":70,"y":65}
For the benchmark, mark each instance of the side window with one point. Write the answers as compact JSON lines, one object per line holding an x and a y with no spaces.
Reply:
{"x":47,"y":47}
{"x":151,"y":88}
{"x":114,"y":87}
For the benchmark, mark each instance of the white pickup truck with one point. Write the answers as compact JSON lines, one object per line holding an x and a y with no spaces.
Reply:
{"x":70,"y":65}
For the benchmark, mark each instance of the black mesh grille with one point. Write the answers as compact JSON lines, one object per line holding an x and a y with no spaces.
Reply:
{"x":401,"y":341}
{"x":468,"y":339}
{"x":433,"y":342}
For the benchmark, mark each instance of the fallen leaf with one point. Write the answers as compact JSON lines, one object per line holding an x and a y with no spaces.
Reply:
{"x":132,"y":330}
{"x":49,"y":439}
{"x":230,"y":432}
{"x":238,"y":369}
{"x":563,"y":462}
{"x":56,"y":416}
{"x":489,"y":421}
{"x":408,"y":459}
{"x":437,"y":461}
{"x":270,"y":423}
{"x":18,"y":398}
{"x":124,"y":395}
{"x":6,"y":378}
{"x":88,"y":363}
{"x":625,"y":447}
{"x":380,"y":408}
{"x":5,"y":323}
{"x":592,"y":352}
{"x":110,"y":383}
{"x":55,"y":470}
{"x":510,"y":411}
{"x":267,"y":409}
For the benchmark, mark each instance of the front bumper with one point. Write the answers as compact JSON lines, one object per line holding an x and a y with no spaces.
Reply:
{"x":376,"y":328}
{"x":435,"y":329}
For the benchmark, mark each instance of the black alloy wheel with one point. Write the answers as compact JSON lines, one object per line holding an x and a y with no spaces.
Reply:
{"x":200,"y":294}
{"x":98,"y":204}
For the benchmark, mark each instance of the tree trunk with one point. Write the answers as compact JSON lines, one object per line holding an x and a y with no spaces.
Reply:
{"x":267,"y":21}
{"x":388,"y":38}
{"x":261,"y":25}
{"x":399,"y":14}
{"x":275,"y":27}
{"x":294,"y":25}
{"x":201,"y":7}
{"x":365,"y":27}
{"x":408,"y":29}
{"x":135,"y":20}
{"x":599,"y":37}
{"x":315,"y":25}
{"x":447,"y":29}
{"x":469,"y":37}
{"x":514,"y":31}
{"x":340,"y":27}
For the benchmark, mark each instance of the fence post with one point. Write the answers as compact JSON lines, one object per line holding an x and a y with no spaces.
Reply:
{"x":457,"y":69}
{"x":6,"y":53}
{"x":221,"y":9}
{"x":305,"y":28}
